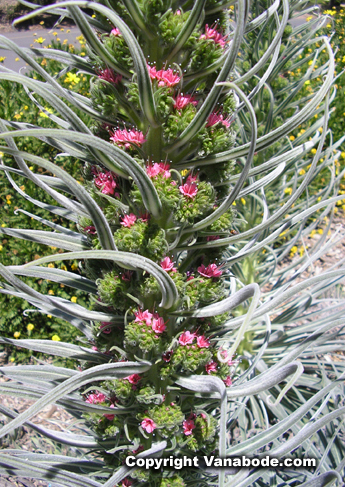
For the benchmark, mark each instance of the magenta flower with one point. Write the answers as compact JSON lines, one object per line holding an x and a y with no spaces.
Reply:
{"x":105,"y":328}
{"x":228,"y":381}
{"x":127,"y":138}
{"x":212,"y":33}
{"x":96,"y":398}
{"x":202,"y":342}
{"x":145,"y":316}
{"x":105,"y":182}
{"x":188,"y":426}
{"x":126,"y":482}
{"x":189,"y":189}
{"x":211,"y":367}
{"x":167,"y":355}
{"x":133,"y":379}
{"x":115,"y":32}
{"x":217,"y":118}
{"x":110,"y":76}
{"x":165,"y":77}
{"x":181,"y":101}
{"x":149,"y":425}
{"x":210,"y":271}
{"x":128,"y":220}
{"x":110,"y":416}
{"x":158,"y":324}
{"x":168,"y":265}
{"x":186,"y":338}
{"x":161,"y":168}
{"x":91,"y":230}
{"x":152,"y":71}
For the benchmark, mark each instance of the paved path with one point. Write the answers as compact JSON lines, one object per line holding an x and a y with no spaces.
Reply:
{"x":27,"y":39}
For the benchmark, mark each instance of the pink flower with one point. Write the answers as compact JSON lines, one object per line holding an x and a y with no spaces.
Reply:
{"x":126,"y":276}
{"x":210,"y":271}
{"x":188,"y":426}
{"x":110,"y":416}
{"x":158,"y":324}
{"x":144,"y":217}
{"x":127,"y":138}
{"x":189,"y":189}
{"x":149,"y":425}
{"x":145,"y":316}
{"x":96,"y":398}
{"x":228,"y":381}
{"x":217,"y":118}
{"x":168,"y":265}
{"x":152,"y":71}
{"x":167,"y":78}
{"x":164,"y":77}
{"x":211,"y":367}
{"x":105,"y":182}
{"x":212,"y":237}
{"x":128,"y":220}
{"x":126,"y":482}
{"x":115,"y":32}
{"x":105,"y":328}
{"x":186,"y":338}
{"x":181,"y":101}
{"x":133,"y":379}
{"x":161,"y":168}
{"x":202,"y":342}
{"x":212,"y":33}
{"x":91,"y":230}
{"x":110,"y":76}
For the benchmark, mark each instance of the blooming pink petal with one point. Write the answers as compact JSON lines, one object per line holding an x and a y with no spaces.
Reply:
{"x":158,"y":325}
{"x":126,"y":138}
{"x":110,"y":76}
{"x":145,"y":316}
{"x":128,"y":220}
{"x":105,"y":181}
{"x":210,"y":271}
{"x":217,"y":118}
{"x":188,"y":426}
{"x":228,"y":381}
{"x":110,"y":416}
{"x":168,"y":265}
{"x":133,"y":379}
{"x":212,"y":33}
{"x":186,"y":338}
{"x":105,"y":328}
{"x":152,"y":71}
{"x":115,"y":32}
{"x":189,"y":189}
{"x":211,"y":367}
{"x":181,"y":101}
{"x":149,"y":425}
{"x":96,"y":398}
{"x":202,"y":342}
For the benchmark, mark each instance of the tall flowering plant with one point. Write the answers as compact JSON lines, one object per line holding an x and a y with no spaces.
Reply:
{"x":176,"y":347}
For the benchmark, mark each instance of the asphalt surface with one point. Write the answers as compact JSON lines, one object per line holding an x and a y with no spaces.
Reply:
{"x":32,"y":38}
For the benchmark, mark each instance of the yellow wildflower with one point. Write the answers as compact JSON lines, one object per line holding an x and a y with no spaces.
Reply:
{"x":292,"y":137}
{"x":288,"y":190}
{"x":51,"y":292}
{"x":16,"y":334}
{"x":63,"y":267}
{"x":22,"y":187}
{"x":301,"y":172}
{"x":40,"y":40}
{"x":74,"y":267}
{"x":243,"y":201}
{"x":71,"y":78}
{"x":320,"y":231}
{"x":56,"y":338}
{"x":293,"y":250}
{"x":2,"y":59}
{"x":51,"y":265}
{"x":313,"y":151}
{"x":74,"y":299}
{"x":30,"y":327}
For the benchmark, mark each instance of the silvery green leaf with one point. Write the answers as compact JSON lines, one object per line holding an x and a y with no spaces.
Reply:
{"x":97,"y":373}
{"x":126,"y":260}
{"x":57,"y":275}
{"x":54,"y":239}
{"x":60,"y":349}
